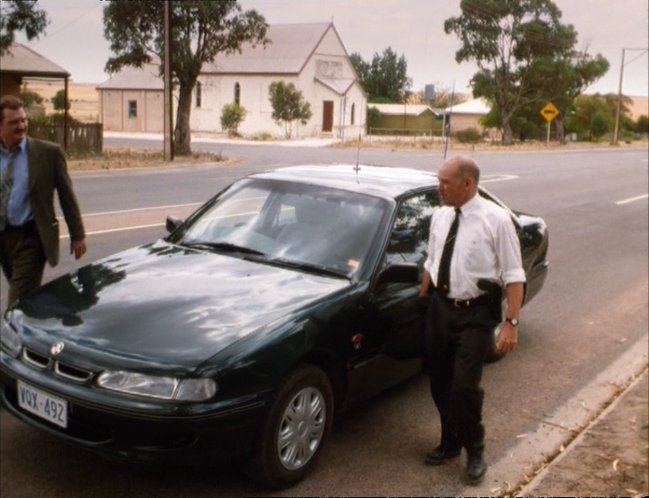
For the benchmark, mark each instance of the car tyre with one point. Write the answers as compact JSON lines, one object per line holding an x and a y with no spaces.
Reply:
{"x":295,"y":428}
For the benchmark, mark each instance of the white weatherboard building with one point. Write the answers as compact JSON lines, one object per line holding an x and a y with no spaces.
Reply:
{"x":311,"y":56}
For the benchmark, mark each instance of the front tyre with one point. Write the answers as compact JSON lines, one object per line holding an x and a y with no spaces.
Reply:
{"x":296,"y":426}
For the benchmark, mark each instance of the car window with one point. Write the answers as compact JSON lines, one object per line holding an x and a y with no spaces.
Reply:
{"x":409,"y":237}
{"x":292,"y":221}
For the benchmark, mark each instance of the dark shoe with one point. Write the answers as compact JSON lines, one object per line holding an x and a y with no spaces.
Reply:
{"x":441,"y":455}
{"x":475,"y":469}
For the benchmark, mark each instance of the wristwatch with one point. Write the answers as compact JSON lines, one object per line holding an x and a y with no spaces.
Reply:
{"x":513,"y":321}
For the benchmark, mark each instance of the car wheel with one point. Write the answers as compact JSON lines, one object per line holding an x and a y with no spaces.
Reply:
{"x":298,"y":422}
{"x":493,"y":355}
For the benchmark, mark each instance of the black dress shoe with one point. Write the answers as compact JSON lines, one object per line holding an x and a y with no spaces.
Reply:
{"x":475,"y":469}
{"x":441,"y":455}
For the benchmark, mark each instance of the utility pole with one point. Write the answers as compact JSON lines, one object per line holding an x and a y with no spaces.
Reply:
{"x":168,"y":88}
{"x":616,"y":130}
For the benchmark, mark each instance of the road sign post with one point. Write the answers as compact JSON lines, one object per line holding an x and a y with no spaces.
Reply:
{"x":549,"y":112}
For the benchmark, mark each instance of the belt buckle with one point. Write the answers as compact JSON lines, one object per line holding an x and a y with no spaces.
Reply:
{"x":460,"y":303}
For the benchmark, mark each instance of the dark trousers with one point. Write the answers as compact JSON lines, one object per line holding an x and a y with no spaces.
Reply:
{"x":457,"y":342}
{"x":22,"y":259}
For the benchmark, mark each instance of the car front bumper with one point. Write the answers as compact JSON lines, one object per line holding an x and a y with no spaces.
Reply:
{"x":193,"y":434}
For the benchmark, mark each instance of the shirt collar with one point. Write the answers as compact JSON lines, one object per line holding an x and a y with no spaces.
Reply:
{"x":22,"y":145}
{"x":470,"y":205}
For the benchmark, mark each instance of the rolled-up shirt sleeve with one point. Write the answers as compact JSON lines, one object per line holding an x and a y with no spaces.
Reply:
{"x":508,"y":250}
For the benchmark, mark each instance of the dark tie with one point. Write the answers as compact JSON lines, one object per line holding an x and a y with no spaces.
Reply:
{"x":444,"y":272}
{"x":6,"y":182}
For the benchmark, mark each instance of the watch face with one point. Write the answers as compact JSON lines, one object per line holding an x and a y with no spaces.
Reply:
{"x":513,"y":321}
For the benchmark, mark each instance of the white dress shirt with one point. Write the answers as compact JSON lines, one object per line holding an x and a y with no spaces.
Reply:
{"x":486,"y":247}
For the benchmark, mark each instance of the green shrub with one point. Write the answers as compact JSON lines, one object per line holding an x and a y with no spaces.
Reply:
{"x":231,"y":117}
{"x":468,"y":136}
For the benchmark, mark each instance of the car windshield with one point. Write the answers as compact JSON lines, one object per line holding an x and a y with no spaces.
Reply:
{"x":289,"y":224}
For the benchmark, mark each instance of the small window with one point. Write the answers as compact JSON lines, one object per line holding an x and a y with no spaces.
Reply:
{"x":237,"y":93}
{"x":132,"y":108}
{"x":198,"y":93}
{"x":353,"y":114}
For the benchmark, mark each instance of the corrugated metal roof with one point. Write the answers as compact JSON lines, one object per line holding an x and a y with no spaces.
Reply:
{"x":401,"y":109}
{"x":339,"y":85}
{"x":475,"y":106}
{"x":289,"y":51}
{"x":290,"y":48}
{"x":22,"y":60}
{"x":146,"y":77}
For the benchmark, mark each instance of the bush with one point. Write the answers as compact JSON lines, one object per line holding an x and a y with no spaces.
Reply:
{"x":468,"y":136}
{"x":373,"y":117}
{"x":642,"y":125}
{"x":59,"y":101}
{"x":51,"y":119}
{"x":232,"y":116}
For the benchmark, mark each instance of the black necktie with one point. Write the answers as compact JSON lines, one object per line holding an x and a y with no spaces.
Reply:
{"x":444,"y":272}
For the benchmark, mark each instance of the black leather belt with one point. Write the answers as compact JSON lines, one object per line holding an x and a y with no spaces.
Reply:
{"x":29,"y":227}
{"x":467,"y":303}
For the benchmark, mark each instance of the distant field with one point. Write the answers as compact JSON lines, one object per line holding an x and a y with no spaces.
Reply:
{"x":84,"y":98}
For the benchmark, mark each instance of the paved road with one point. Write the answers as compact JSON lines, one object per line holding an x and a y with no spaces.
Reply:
{"x":590,"y":314}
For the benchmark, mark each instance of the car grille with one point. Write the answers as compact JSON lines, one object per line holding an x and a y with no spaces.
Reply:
{"x":42,"y":362}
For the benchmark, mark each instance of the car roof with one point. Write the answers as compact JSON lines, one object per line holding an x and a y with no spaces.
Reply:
{"x":381,"y":181}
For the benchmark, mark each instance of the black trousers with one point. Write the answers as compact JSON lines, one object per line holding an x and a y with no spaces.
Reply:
{"x":456,"y":344}
{"x":22,"y":259}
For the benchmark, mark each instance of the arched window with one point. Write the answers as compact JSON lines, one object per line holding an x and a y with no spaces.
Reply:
{"x":237,"y":93}
{"x":198,"y":92}
{"x":353,"y":114}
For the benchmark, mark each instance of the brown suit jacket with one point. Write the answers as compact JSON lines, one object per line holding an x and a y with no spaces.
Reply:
{"x":47,"y":172}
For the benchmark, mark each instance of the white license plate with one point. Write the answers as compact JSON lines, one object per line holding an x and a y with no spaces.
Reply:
{"x":48,"y":407}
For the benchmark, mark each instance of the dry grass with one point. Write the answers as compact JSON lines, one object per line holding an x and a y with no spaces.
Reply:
{"x":125,"y":158}
{"x":84,"y":98}
{"x":425,"y":143}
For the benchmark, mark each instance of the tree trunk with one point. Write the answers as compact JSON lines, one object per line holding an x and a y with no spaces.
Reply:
{"x":182,"y":133}
{"x":560,"y":130}
{"x":508,"y":135}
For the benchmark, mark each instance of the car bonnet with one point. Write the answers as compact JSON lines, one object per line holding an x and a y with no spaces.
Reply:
{"x":165,"y":305}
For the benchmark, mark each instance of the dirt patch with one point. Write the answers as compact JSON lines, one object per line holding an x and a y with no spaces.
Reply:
{"x":612,"y":457}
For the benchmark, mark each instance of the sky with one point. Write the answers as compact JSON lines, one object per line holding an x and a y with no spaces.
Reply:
{"x":412,"y":28}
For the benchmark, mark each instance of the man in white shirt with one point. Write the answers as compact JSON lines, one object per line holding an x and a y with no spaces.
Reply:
{"x":472,"y":242}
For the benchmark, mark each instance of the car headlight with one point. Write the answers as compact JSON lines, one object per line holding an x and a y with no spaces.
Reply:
{"x":10,"y":329}
{"x":153,"y":386}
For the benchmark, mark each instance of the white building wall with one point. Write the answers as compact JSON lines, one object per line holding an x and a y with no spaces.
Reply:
{"x":329,"y":60}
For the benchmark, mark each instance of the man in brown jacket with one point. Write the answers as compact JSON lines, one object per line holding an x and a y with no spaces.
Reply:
{"x":30,"y":171}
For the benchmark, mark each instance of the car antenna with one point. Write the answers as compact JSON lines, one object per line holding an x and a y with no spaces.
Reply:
{"x":357,"y":168}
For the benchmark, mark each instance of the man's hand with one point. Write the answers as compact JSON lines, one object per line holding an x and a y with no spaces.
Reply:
{"x":507,"y":338}
{"x":78,"y":248}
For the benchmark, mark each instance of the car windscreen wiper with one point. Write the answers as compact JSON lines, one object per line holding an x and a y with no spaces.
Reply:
{"x":221,"y":246}
{"x":308,"y":267}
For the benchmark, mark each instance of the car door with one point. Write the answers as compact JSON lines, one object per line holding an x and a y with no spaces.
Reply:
{"x":393,"y":340}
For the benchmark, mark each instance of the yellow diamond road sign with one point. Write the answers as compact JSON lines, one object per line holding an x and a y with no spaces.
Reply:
{"x":549,"y":111}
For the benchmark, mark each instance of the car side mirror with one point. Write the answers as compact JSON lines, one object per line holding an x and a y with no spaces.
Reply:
{"x":172,"y":223}
{"x":405,"y":273}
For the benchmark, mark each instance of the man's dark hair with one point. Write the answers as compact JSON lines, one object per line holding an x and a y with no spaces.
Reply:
{"x":10,"y":102}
